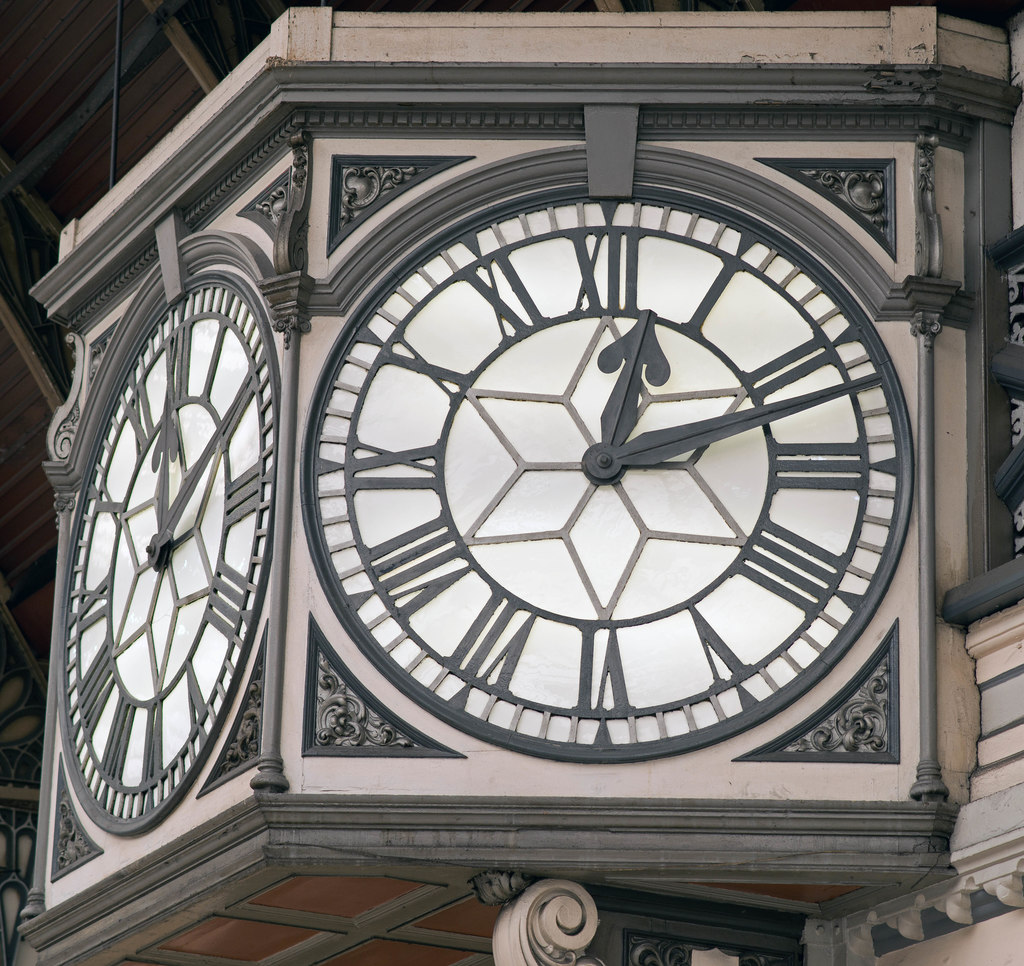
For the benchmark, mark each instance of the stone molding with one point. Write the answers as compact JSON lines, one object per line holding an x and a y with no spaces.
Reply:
{"x":933,"y":912}
{"x":517,"y":100}
{"x":551,"y":923}
{"x":211,"y":253}
{"x":901,"y":843}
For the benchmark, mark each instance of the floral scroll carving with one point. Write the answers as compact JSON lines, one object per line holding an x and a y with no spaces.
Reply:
{"x":861,"y":724}
{"x":662,"y":951}
{"x":344,"y":720}
{"x":72,"y":846}
{"x":864,"y":189}
{"x":362,"y":185}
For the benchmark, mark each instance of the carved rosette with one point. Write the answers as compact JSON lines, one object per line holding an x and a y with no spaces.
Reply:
{"x":550,"y":924}
{"x":344,"y":721}
{"x":860,"y":725}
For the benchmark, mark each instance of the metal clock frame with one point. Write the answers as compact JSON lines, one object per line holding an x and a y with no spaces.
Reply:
{"x":312,"y":466}
{"x":155,"y":311}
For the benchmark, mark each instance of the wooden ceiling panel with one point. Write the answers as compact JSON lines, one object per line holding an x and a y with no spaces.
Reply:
{"x":468,"y":918}
{"x":237,"y":939}
{"x":347,"y":896}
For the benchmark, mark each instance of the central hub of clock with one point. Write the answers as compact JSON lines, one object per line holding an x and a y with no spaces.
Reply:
{"x":601,"y":466}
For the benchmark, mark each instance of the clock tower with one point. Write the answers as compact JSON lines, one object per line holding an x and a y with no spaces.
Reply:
{"x":511,"y":504}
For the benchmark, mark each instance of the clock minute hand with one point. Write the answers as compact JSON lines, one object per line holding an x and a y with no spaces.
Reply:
{"x":160,"y":546}
{"x":636,"y":351}
{"x":659,"y":445}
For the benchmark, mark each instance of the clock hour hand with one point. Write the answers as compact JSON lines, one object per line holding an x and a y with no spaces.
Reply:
{"x":604,"y":464}
{"x":639,"y":355}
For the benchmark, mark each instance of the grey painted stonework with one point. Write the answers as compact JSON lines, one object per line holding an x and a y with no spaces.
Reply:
{"x":342,"y":718}
{"x":267,"y":209}
{"x":864,"y":189}
{"x":360,"y":185}
{"x":72,"y":846}
{"x":861,"y":723}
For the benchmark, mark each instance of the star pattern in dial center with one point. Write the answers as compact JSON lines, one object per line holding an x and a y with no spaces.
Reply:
{"x":601,"y":538}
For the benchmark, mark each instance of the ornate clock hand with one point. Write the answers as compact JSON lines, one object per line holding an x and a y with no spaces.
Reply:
{"x":605,"y":464}
{"x":159,"y":548}
{"x":640,"y":355}
{"x":658,"y":445}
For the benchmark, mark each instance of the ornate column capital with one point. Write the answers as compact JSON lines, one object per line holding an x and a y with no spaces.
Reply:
{"x":288,"y":297}
{"x":550,"y":924}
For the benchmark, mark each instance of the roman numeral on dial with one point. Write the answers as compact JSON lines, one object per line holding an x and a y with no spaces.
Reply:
{"x":820,"y":466}
{"x":602,"y":680}
{"x":791,"y":567}
{"x":511,"y":320}
{"x":410,"y":469}
{"x":416,"y":566}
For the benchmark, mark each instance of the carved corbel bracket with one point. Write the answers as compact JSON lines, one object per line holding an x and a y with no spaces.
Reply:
{"x":928,"y":236}
{"x":290,"y":239}
{"x":550,"y":924}
{"x":64,"y":424}
{"x":496,"y":887}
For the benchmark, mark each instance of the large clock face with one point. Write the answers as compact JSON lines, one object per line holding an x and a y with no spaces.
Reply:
{"x":167,"y":557}
{"x":607,"y":481}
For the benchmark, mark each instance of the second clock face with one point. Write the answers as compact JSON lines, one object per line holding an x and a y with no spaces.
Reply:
{"x":167,"y":564}
{"x":606,"y":481}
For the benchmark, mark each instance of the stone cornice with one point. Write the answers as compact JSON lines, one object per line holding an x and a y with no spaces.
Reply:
{"x":235,"y":132}
{"x":869,"y":842}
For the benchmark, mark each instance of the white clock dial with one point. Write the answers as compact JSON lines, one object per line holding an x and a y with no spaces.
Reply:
{"x":167,"y":560}
{"x":606,"y":481}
